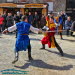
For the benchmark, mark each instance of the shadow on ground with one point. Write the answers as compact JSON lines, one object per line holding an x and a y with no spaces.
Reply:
{"x":41,"y":64}
{"x":69,"y":40}
{"x":65,"y":54}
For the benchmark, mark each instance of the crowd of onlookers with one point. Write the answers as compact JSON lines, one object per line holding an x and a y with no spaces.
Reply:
{"x":65,"y":21}
{"x":7,"y":20}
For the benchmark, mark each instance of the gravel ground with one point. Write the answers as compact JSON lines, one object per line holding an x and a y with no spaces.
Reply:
{"x":46,"y":62}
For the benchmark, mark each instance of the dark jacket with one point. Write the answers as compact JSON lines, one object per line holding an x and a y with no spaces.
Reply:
{"x":17,"y":19}
{"x":73,"y":26}
{"x":43,"y":22}
{"x":36,"y":18}
{"x":9,"y":21}
{"x":4,"y":16}
{"x":30,"y":19}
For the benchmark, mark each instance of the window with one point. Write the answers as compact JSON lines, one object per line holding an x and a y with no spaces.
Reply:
{"x":70,"y":4}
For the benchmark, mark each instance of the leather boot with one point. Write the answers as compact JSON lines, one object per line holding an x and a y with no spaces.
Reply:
{"x":43,"y":46}
{"x":29,"y":56}
{"x":16,"y":58}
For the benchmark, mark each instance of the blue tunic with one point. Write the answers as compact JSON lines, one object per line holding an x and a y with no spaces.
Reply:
{"x":22,"y":41}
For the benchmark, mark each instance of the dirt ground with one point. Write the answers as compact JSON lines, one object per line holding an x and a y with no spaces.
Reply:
{"x":46,"y":62}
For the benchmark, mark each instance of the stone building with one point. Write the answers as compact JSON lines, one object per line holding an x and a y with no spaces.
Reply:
{"x":58,"y":5}
{"x":41,"y":6}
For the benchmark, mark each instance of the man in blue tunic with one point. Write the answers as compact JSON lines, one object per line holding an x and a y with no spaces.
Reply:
{"x":22,"y":41}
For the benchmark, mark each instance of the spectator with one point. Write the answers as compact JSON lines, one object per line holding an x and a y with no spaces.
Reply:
{"x":4,"y":16}
{"x":30,"y":18}
{"x":36,"y":20}
{"x":14,"y":18}
{"x":68,"y":24}
{"x":9,"y":19}
{"x":72,"y":28}
{"x":43,"y":21}
{"x":1,"y":23}
{"x":64,"y":17}
{"x":17,"y":18}
{"x":21,"y":14}
{"x":58,"y":21}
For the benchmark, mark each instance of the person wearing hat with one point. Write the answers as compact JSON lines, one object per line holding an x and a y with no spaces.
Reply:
{"x":22,"y":41}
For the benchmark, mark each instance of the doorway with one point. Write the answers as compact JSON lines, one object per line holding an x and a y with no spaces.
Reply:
{"x":33,"y":10}
{"x":11,"y":10}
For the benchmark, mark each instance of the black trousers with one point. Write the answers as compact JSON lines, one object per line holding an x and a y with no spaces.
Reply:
{"x":67,"y":33}
{"x":29,"y":51}
{"x":58,"y":47}
{"x":1,"y":28}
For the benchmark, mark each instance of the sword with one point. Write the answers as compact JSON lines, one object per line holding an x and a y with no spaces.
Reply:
{"x":54,"y":31}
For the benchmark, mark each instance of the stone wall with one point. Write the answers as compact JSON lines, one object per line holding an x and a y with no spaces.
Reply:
{"x":59,"y":5}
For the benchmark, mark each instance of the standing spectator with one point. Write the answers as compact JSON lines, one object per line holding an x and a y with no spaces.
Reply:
{"x":30,"y":18}
{"x":64,"y":17}
{"x":58,"y":21}
{"x":21,"y":14}
{"x":26,"y":14}
{"x":17,"y":18}
{"x":68,"y":24}
{"x":4,"y":16}
{"x":43,"y":21}
{"x":36,"y":20}
{"x":14,"y":18}
{"x":9,"y":19}
{"x":1,"y":23}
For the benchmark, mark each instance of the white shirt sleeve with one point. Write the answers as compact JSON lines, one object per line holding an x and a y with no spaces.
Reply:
{"x":12,"y":28}
{"x":33,"y":29}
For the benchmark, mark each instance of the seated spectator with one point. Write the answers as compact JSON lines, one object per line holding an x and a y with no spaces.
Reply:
{"x":72,"y":28}
{"x":68,"y":24}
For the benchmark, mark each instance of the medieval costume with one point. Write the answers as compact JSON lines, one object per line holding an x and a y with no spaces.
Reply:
{"x":22,"y":41}
{"x":49,"y":37}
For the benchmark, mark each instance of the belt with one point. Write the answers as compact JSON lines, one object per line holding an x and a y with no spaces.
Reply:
{"x":24,"y":34}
